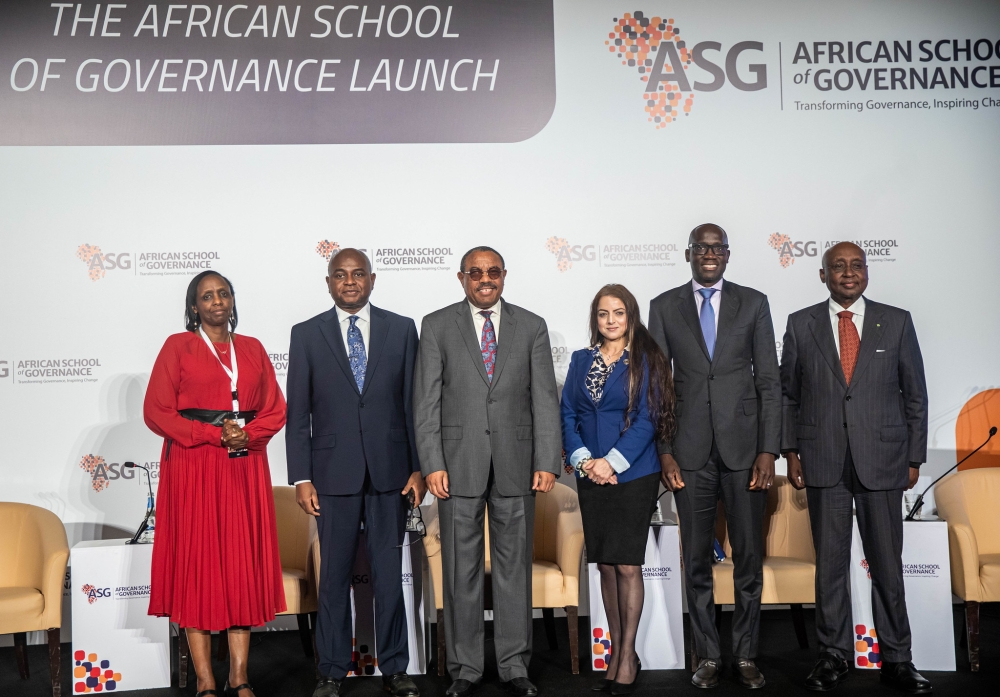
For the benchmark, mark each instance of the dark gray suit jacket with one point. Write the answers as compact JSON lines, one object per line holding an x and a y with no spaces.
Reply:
{"x":735,"y":397}
{"x":882,"y":414}
{"x":464,"y":422}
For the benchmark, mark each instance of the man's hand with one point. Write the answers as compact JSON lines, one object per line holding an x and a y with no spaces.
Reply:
{"x":795,"y":477}
{"x":914,"y":475}
{"x":600,"y":471}
{"x":670,"y":473}
{"x":307,"y":498}
{"x":543,"y":482}
{"x":763,"y":472}
{"x":415,"y":484}
{"x":437,"y":482}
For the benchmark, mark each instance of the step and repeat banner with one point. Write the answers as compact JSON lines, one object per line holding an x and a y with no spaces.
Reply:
{"x":144,"y":142}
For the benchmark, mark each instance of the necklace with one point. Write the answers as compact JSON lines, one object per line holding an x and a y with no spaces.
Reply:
{"x":225,"y":351}
{"x":607,"y":357}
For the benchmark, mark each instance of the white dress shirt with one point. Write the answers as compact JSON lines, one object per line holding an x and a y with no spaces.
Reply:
{"x":478,"y":321}
{"x":858,"y":308}
{"x":716,"y":299}
{"x":364,"y":326}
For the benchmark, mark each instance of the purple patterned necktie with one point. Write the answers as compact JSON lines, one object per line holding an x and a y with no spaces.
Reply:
{"x":488,"y":344}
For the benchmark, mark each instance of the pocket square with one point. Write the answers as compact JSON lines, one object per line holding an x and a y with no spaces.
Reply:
{"x":879,"y":350}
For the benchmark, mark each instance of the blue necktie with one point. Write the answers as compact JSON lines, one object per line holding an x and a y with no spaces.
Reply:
{"x":488,"y":344}
{"x":708,"y":319}
{"x":356,"y":352}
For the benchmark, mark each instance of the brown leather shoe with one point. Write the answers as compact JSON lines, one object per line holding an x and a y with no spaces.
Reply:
{"x":748,"y":674}
{"x":707,"y":674}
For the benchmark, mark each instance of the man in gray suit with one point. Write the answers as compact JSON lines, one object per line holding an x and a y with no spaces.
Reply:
{"x":486,"y":414}
{"x":721,"y":341}
{"x":855,"y":433}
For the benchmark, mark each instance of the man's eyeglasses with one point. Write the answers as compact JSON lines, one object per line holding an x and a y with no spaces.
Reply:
{"x":841,"y":267}
{"x":476,"y":274}
{"x":699,"y":249}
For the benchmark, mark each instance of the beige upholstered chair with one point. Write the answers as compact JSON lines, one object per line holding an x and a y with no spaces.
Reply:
{"x":555,"y":581}
{"x":33,"y":555}
{"x":790,"y":558}
{"x":968,"y":501}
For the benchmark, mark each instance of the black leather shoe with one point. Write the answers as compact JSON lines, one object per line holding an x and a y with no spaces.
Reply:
{"x":460,"y":688}
{"x":707,"y":674}
{"x":327,"y":687}
{"x":828,"y":672}
{"x":904,"y":677}
{"x":400,"y":685}
{"x":748,"y":675}
{"x":521,"y":687}
{"x":603,"y":686}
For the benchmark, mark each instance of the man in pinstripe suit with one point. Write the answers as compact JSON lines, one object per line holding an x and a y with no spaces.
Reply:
{"x":854,"y":432}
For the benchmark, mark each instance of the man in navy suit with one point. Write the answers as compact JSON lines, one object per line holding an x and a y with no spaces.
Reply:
{"x":352,"y":456}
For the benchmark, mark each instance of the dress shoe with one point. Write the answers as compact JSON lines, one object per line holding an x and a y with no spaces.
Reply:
{"x":748,"y":674}
{"x":707,"y":674}
{"x":521,"y":687}
{"x":327,"y":687}
{"x":460,"y":688}
{"x":620,"y":688}
{"x":904,"y":677}
{"x":829,"y":671}
{"x":400,"y":685}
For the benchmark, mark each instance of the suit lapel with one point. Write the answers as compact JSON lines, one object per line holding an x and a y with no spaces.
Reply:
{"x":871,"y":336}
{"x":822,"y":332}
{"x":617,"y":372}
{"x":330,"y":328}
{"x":729,"y":306}
{"x":689,"y":311}
{"x":377,"y":334}
{"x":509,"y":323}
{"x":467,"y":329}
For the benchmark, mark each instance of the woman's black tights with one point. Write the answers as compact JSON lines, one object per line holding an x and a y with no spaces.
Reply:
{"x":624,"y":593}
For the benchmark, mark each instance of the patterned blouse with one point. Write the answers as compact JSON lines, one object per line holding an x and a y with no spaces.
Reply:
{"x":599,"y":372}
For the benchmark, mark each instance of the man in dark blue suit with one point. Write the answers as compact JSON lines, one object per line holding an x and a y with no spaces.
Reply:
{"x":352,"y":456}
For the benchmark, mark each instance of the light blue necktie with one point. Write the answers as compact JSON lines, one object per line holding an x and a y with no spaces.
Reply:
{"x":708,"y":319}
{"x":356,"y":352}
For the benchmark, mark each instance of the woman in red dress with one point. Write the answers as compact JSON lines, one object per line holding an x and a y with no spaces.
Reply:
{"x":215,"y":553}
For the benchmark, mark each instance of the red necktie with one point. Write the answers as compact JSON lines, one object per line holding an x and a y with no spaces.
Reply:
{"x":850,"y":342}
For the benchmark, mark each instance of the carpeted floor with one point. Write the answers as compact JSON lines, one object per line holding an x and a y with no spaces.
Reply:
{"x":278,"y":667}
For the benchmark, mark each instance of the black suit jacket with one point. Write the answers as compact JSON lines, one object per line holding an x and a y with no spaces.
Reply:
{"x":735,"y":397}
{"x":882,"y":414}
{"x":334,"y":433}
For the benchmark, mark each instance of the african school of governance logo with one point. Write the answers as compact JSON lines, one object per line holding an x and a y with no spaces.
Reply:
{"x":788,"y":250}
{"x":602,"y":648}
{"x":876,"y":250}
{"x":326,"y":249}
{"x":566,"y":253}
{"x":867,"y":653}
{"x":155,"y":263}
{"x":103,"y":473}
{"x":92,"y":675}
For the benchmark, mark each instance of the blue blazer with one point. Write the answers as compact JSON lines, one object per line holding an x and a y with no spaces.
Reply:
{"x":599,"y":428}
{"x":335,"y":433}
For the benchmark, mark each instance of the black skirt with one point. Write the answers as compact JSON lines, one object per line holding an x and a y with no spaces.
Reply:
{"x":616,"y":519}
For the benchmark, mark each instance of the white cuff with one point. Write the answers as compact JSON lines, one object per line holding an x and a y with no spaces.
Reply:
{"x":301,"y":481}
{"x":617,"y":461}
{"x":578,"y":455}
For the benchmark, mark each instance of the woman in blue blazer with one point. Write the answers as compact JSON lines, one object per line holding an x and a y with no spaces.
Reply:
{"x":618,"y":400}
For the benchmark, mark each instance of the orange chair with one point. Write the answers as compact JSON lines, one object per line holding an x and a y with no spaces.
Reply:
{"x":974,"y":421}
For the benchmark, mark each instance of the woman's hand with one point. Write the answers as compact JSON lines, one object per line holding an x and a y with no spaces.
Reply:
{"x":234,"y":437}
{"x":600,"y":471}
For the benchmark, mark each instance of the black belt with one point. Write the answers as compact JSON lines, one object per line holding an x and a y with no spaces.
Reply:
{"x":215,"y":417}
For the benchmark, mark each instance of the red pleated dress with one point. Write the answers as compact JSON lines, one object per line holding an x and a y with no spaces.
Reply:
{"x":215,"y":553}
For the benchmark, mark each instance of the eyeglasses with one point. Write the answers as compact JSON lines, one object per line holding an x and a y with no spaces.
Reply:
{"x":841,"y":267}
{"x":494,"y":272}
{"x":699,"y":249}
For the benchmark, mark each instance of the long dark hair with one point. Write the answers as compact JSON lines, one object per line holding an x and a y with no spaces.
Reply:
{"x":192,"y":320}
{"x":643,"y":354}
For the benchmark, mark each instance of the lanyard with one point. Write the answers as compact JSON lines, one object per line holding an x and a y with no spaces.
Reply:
{"x":233,"y":374}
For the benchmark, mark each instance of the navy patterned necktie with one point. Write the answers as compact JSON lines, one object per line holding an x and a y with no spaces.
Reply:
{"x":488,"y":344}
{"x":356,"y":352}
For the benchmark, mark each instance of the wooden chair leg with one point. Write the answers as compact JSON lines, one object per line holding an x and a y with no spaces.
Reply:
{"x":972,"y":633}
{"x":442,"y":648}
{"x":312,"y":634}
{"x":20,"y":645}
{"x":573,"y":627}
{"x":695,"y":660}
{"x":304,"y":634}
{"x":799,"y":620}
{"x":222,"y":650}
{"x":718,"y":618}
{"x":549,"y":618}
{"x":55,"y":662}
{"x":183,"y":657}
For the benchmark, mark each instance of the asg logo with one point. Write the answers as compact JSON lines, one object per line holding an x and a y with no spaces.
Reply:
{"x":98,"y":262}
{"x":326,"y":249}
{"x":101,"y":473}
{"x":789,"y":250}
{"x":653,"y":45}
{"x":93,"y":593}
{"x":359,"y":579}
{"x":4,"y":370}
{"x":567,"y":253}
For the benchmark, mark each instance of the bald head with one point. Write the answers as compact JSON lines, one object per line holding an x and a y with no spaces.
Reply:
{"x":707,"y":227}
{"x":346,"y":253}
{"x":350,"y":279}
{"x":845,"y":272}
